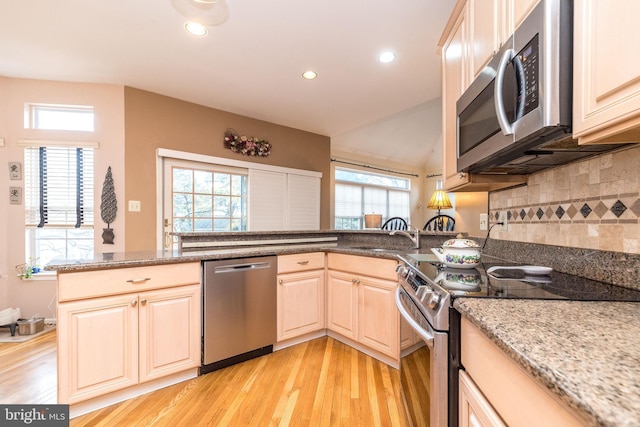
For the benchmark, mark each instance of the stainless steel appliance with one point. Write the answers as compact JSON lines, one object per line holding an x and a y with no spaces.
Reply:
{"x":239,"y":310}
{"x":515,"y":118}
{"x":425,"y":299}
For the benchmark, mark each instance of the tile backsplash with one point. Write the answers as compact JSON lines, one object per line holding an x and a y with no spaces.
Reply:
{"x":590,"y":204}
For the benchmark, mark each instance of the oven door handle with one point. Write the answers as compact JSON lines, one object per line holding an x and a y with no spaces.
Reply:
{"x":426,"y":336}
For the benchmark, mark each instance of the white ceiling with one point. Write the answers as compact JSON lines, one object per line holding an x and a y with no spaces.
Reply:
{"x":249,"y":65}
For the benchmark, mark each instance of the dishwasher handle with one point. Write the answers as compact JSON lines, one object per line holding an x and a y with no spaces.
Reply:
{"x":235,"y":268}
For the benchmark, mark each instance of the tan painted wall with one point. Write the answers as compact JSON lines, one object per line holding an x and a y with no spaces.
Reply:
{"x":36,"y":296}
{"x":154,"y":121}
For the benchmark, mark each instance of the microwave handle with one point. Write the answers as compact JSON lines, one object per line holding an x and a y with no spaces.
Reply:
{"x":501,"y":114}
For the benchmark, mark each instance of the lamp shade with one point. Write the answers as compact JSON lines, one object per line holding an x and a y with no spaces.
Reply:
{"x":372,"y":220}
{"x":439,"y":200}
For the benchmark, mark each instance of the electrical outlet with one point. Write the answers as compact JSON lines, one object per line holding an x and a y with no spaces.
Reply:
{"x":484,"y":221}
{"x":134,"y":206}
{"x":505,"y":222}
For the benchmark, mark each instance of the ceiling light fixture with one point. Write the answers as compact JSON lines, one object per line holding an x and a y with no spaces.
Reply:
{"x":309,"y":75}
{"x":204,"y":12}
{"x":386,"y":57}
{"x":196,"y":29}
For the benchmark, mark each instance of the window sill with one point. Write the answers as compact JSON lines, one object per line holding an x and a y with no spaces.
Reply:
{"x":42,"y":276}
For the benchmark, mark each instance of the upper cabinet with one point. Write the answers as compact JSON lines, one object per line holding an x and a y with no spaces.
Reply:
{"x":475,"y":31}
{"x":606,"y":75}
{"x":606,"y":86}
{"x":454,"y":81}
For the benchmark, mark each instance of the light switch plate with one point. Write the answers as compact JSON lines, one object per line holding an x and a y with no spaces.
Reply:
{"x":134,"y":206}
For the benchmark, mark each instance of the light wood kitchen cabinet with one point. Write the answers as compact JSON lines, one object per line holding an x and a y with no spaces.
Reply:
{"x":486,"y":32}
{"x":300,"y":295}
{"x":519,"y":10}
{"x":454,"y":81}
{"x":606,"y":75}
{"x":517,"y":398}
{"x":474,"y":409}
{"x":110,"y":343}
{"x":459,"y":54}
{"x":361,"y":304}
{"x":407,"y":335}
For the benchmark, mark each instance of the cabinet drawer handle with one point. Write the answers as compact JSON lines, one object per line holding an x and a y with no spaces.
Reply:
{"x":134,"y":302}
{"x":305,"y":262}
{"x":135,"y":281}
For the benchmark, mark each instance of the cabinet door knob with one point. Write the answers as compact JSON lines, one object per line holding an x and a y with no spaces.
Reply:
{"x":140,"y":280}
{"x":134,"y":302}
{"x":281,"y":281}
{"x":143,"y":302}
{"x":461,"y":176}
{"x":355,"y":281}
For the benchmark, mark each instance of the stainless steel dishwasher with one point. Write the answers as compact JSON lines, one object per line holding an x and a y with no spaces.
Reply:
{"x":239,"y":310}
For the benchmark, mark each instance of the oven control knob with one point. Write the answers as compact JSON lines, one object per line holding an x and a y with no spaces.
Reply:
{"x":434,"y":301}
{"x":402,"y":270}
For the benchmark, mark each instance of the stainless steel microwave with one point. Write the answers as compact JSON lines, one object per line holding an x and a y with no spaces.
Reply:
{"x":515,"y":118}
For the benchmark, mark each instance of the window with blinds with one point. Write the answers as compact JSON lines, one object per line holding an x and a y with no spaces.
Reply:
{"x":357,"y":193}
{"x":59,"y":200}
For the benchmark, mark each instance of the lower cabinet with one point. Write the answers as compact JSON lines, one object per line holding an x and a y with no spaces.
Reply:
{"x":109,"y":343}
{"x":361,"y":303}
{"x":475,"y":410}
{"x":495,"y":388}
{"x":301,"y":295}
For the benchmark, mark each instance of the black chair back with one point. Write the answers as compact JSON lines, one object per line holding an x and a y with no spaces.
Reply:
{"x":395,"y":223}
{"x":440,"y":223}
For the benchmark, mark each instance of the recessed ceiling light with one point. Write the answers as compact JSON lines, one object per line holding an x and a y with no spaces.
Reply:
{"x":309,"y":75}
{"x":386,"y":57}
{"x":196,"y":29}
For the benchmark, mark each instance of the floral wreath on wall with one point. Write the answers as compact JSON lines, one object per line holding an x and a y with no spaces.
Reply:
{"x":246,"y":145}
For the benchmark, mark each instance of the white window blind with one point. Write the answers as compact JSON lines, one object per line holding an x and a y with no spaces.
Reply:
{"x":348,"y":201}
{"x":59,"y":187}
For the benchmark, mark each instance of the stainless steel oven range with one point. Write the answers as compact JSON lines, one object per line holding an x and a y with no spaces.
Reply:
{"x":429,"y":373}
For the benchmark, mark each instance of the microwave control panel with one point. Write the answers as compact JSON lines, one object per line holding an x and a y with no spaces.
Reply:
{"x":527,"y":63}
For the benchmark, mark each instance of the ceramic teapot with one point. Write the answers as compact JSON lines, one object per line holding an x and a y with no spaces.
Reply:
{"x":459,"y":253}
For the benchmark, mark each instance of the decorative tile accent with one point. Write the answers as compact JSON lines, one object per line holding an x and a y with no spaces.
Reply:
{"x":618,"y":208}
{"x":600,"y":209}
{"x":589,"y":204}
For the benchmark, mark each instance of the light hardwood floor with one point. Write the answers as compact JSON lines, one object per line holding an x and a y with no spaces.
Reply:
{"x":318,"y":383}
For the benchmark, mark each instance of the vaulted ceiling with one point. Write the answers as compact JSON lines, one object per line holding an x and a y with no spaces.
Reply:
{"x":251,"y":64}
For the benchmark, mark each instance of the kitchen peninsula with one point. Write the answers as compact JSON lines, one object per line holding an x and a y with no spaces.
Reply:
{"x":561,"y":345}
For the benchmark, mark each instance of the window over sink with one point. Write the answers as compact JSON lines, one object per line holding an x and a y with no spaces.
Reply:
{"x":358,"y":192}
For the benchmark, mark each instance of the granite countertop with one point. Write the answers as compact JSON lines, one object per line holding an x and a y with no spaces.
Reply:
{"x":587,"y":353}
{"x":139,"y":259}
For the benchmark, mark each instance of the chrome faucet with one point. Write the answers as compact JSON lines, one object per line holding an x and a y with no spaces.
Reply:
{"x":415,"y":238}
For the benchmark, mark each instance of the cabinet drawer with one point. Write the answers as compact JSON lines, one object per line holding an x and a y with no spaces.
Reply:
{"x":90,"y":284}
{"x":300,"y":262}
{"x":362,"y":265}
{"x":516,"y":396}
